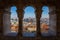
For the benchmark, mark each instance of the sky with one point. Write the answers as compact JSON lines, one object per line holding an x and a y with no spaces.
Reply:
{"x":45,"y":12}
{"x":13,"y":12}
{"x":30,"y":12}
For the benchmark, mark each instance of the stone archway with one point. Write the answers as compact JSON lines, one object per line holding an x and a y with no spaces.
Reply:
{"x":20,"y":5}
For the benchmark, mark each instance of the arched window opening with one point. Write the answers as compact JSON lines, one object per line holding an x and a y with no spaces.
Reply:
{"x":10,"y":22}
{"x":45,"y":25}
{"x":29,"y":22}
{"x":14,"y":20}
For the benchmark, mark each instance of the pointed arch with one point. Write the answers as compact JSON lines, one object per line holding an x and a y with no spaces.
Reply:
{"x":14,"y":19}
{"x":29,"y":22}
{"x":44,"y":21}
{"x":48,"y":28}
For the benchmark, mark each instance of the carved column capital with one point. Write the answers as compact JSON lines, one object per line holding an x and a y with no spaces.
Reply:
{"x":38,"y":12}
{"x":20,"y":13}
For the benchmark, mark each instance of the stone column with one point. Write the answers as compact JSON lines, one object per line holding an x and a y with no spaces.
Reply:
{"x":20,"y":16}
{"x":1,"y":22}
{"x":38,"y":16}
{"x":52,"y":20}
{"x":6,"y":22}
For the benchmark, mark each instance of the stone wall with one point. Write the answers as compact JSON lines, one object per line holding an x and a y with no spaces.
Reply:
{"x":37,"y":5}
